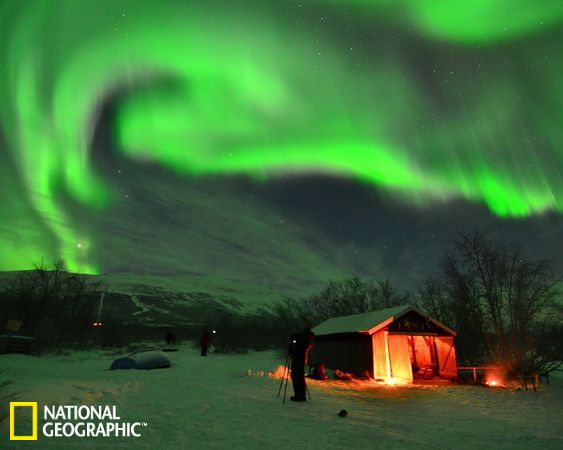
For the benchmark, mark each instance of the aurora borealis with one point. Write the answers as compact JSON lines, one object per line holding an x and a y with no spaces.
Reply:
{"x":425,"y":102}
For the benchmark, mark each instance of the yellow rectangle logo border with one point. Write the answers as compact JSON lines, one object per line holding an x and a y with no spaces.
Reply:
{"x":13,"y":406}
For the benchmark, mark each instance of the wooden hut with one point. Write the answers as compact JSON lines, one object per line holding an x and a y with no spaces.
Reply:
{"x":400,"y":343}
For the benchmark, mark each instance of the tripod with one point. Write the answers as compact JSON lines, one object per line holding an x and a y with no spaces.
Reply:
{"x":285,"y":377}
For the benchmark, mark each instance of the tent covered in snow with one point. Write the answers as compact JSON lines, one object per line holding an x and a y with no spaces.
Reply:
{"x":400,"y":343}
{"x":143,"y":359}
{"x":10,"y":343}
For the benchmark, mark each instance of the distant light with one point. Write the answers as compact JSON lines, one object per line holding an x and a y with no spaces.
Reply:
{"x":294,"y":341}
{"x":79,"y":245}
{"x":214,"y":332}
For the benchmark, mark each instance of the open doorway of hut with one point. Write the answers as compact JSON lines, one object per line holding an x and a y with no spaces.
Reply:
{"x":422,"y":351}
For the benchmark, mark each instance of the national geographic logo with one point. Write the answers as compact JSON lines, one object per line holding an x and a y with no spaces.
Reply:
{"x":73,"y":421}
{"x":13,"y":435}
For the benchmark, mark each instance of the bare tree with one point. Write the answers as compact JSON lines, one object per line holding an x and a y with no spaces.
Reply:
{"x":52,"y":304}
{"x":437,"y":299}
{"x":339,"y":298}
{"x":501,"y":300}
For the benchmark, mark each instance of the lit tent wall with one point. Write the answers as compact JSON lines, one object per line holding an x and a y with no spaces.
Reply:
{"x":397,"y":343}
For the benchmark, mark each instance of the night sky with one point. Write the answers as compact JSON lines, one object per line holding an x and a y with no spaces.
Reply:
{"x":277,"y":142}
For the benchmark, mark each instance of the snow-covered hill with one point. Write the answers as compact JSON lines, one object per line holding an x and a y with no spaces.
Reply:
{"x":230,"y":292}
{"x":185,"y":301}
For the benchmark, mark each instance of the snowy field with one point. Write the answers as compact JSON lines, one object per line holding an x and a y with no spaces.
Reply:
{"x":224,"y":401}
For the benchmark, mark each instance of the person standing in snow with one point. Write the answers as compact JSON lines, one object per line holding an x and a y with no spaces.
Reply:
{"x":299,"y":349}
{"x":204,"y":342}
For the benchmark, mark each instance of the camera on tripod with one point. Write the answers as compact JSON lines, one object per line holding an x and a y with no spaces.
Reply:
{"x":297,"y":351}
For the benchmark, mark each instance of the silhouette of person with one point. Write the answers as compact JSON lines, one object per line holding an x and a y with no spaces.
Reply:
{"x":169,"y":336}
{"x":204,"y":342}
{"x":299,"y":349}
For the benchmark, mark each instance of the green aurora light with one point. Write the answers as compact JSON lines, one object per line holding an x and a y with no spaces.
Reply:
{"x":225,"y":88}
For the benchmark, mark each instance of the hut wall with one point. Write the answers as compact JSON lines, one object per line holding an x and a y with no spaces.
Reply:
{"x":399,"y":359}
{"x":381,"y":369}
{"x":350,"y":352}
{"x":446,"y":357}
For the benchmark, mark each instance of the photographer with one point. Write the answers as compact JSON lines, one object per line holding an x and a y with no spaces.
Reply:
{"x":299,"y":348}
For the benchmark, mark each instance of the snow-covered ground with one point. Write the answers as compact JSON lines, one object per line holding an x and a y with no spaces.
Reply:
{"x":223,"y":401}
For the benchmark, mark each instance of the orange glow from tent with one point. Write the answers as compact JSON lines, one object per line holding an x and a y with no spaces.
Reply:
{"x":493,"y":382}
{"x":391,"y":381}
{"x":279,"y":372}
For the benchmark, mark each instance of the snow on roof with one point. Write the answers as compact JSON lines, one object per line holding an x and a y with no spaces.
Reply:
{"x":358,"y":323}
{"x":369,"y":322}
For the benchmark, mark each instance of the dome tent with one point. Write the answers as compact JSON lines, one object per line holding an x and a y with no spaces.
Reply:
{"x":143,"y":360}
